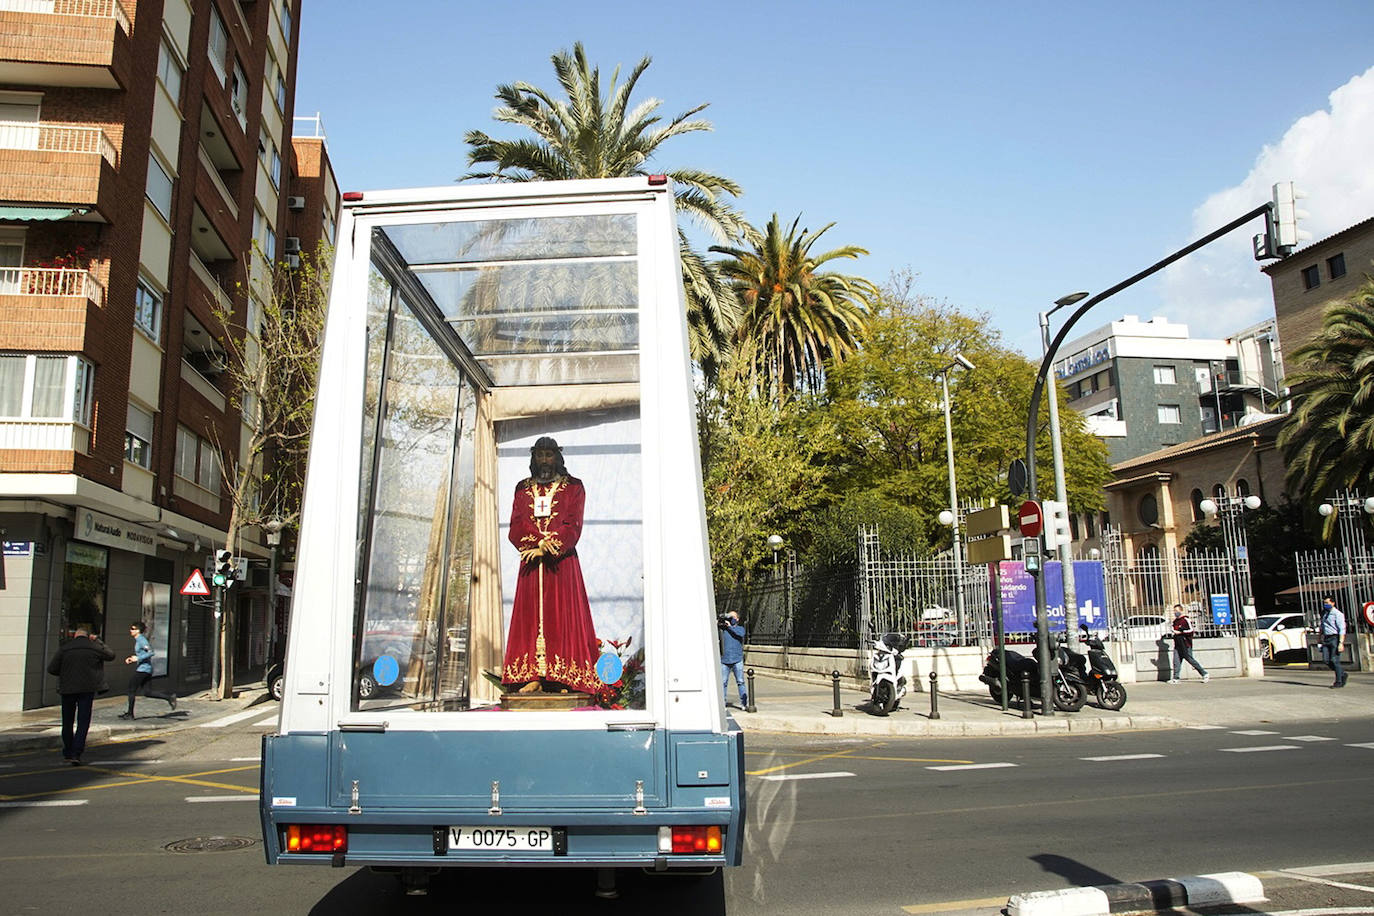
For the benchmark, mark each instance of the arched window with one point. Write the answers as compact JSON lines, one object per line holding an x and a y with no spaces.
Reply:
{"x":1148,"y":510}
{"x":1196,"y":500}
{"x":1242,"y":487}
{"x":1218,"y":491}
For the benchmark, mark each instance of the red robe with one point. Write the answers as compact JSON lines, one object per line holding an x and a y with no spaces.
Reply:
{"x":551,"y":631}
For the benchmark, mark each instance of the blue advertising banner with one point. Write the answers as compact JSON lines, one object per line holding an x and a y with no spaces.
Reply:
{"x":1018,"y":595}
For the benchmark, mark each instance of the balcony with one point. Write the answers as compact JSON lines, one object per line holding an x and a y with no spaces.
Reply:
{"x":51,"y":281}
{"x":64,"y":164}
{"x":47,"y":308}
{"x":80,"y":43}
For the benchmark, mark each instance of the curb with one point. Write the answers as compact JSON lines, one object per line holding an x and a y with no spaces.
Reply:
{"x":861,"y":724}
{"x":1146,"y":896}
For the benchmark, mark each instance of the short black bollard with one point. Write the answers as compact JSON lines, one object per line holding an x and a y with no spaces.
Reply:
{"x":934,"y":696}
{"x":835,"y":682}
{"x":1025,"y":696}
{"x":749,"y":706}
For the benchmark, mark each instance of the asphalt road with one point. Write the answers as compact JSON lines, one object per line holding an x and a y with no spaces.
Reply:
{"x":836,"y":826}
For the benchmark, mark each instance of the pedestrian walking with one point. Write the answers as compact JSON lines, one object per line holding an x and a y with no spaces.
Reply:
{"x":1333,"y":638}
{"x":1183,"y":646}
{"x":80,"y":668}
{"x":142,"y":659}
{"x":732,"y":654}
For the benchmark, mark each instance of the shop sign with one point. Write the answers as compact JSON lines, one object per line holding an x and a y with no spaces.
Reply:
{"x":18,"y":548}
{"x":94,"y":528}
{"x":1083,"y":361}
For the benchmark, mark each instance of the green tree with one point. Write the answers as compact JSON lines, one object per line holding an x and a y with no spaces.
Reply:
{"x":760,"y":474}
{"x":1328,"y":440}
{"x":795,"y":317}
{"x":589,"y":134}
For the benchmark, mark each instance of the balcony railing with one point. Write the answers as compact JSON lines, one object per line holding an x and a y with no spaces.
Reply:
{"x":96,"y":9}
{"x":50,"y":281}
{"x":57,"y":138}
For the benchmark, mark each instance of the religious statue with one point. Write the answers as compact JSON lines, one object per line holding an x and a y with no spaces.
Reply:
{"x":552,"y":644}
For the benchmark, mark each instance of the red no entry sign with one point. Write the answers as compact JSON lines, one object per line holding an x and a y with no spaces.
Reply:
{"x":1368,"y":611}
{"x":1030,"y":519}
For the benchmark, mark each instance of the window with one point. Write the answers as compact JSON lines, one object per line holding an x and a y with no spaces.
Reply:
{"x":1311,"y":277}
{"x":1165,"y":375}
{"x":1170,"y":413}
{"x":238,"y":94}
{"x":219,"y":44}
{"x":148,"y":310}
{"x":1148,"y":510}
{"x":138,"y":437}
{"x":169,"y":70}
{"x":1335,"y":266}
{"x":196,"y":460}
{"x":1242,"y":487}
{"x":281,"y":91}
{"x":159,"y":189}
{"x":276,"y":167}
{"x":286,"y":19}
{"x":269,"y":243}
{"x":46,"y":387}
{"x":1196,"y":499}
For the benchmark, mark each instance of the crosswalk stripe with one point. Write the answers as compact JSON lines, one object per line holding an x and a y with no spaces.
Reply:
{"x":232,"y":718}
{"x":221,"y":798}
{"x":1204,"y":728}
{"x":1123,"y":757}
{"x":1250,"y":750}
{"x":1255,"y":731}
{"x":269,"y":722}
{"x":1368,"y":744}
{"x":972,"y":766}
{"x":791,"y":777}
{"x":58,"y":803}
{"x":1306,"y":738}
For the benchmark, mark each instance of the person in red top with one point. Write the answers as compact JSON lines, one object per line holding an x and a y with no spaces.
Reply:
{"x":1183,"y":646}
{"x":552,"y":642}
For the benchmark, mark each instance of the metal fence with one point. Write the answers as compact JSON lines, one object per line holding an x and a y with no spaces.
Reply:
{"x":793,"y":605}
{"x":1347,"y":577}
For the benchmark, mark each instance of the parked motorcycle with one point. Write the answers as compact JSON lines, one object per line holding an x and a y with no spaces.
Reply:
{"x":887,"y":686}
{"x":1069,"y":694}
{"x":1094,"y":670}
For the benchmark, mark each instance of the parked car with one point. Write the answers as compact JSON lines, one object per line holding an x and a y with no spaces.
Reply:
{"x":1146,"y":627}
{"x":1279,"y":633}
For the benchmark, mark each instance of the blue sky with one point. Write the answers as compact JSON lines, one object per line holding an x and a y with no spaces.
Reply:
{"x":1007,"y":153}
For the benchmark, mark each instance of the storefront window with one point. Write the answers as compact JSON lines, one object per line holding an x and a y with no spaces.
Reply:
{"x":83,"y":587}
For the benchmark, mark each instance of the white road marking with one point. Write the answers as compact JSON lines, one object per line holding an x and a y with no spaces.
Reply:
{"x":1368,"y":744}
{"x":1204,"y":728}
{"x":221,"y":798}
{"x":784,"y":777}
{"x":232,"y":718}
{"x":59,"y":803}
{"x":1123,"y":757}
{"x":121,"y":762}
{"x":1255,"y":731}
{"x":972,"y":766}
{"x":245,"y":760}
{"x":270,"y":722}
{"x":1306,"y":738}
{"x":1250,"y":750}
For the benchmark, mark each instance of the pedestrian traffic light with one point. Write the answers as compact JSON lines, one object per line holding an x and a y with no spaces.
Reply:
{"x":1030,"y":554}
{"x":1056,"y":524}
{"x":224,"y":567}
{"x":1286,"y":215}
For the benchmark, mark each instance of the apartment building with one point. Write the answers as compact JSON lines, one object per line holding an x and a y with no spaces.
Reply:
{"x":1310,"y":279}
{"x":145,"y":148}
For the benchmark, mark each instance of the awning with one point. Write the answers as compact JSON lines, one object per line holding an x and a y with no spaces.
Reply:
{"x":32,"y":214}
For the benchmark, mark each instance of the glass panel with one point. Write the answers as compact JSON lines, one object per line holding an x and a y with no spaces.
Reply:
{"x":378,"y":313}
{"x":159,"y":189}
{"x":186,"y":454}
{"x":575,"y":333}
{"x":12,"y":385}
{"x":397,"y":639}
{"x":83,"y":587}
{"x":540,"y":238}
{"x":49,"y":382}
{"x":209,"y":468}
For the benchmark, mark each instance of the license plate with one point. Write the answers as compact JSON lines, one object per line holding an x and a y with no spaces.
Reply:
{"x":499,"y":839}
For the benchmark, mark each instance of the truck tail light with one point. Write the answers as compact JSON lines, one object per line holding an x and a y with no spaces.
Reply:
{"x":690,"y":840}
{"x":323,"y":838}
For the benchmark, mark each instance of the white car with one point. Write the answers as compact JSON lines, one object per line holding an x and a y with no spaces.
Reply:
{"x":1151,"y":627}
{"x":1281,"y":633}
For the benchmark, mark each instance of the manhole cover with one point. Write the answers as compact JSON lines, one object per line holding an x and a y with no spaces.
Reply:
{"x":210,"y":844}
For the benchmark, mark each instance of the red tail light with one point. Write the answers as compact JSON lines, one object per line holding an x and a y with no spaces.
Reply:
{"x":696,"y":839}
{"x":327,"y":838}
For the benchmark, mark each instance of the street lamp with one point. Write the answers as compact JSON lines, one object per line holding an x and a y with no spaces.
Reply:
{"x":272,"y":528}
{"x":775,"y":543}
{"x":1229,"y":509}
{"x":959,"y":361}
{"x":1060,"y":490}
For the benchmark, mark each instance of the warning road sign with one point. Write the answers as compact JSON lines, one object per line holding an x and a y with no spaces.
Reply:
{"x":195,"y":584}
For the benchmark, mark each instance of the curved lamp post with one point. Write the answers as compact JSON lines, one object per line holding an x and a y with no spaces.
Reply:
{"x":958,"y":362}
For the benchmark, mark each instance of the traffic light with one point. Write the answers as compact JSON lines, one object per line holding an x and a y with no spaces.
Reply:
{"x":1030,"y":554}
{"x":1056,"y":524}
{"x":1286,"y":214}
{"x":224,"y":567}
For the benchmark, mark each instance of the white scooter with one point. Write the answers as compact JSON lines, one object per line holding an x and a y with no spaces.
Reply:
{"x":887,"y":686}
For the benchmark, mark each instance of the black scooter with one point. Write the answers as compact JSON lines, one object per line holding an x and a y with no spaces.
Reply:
{"x":1069,"y":694}
{"x":1095,"y":672}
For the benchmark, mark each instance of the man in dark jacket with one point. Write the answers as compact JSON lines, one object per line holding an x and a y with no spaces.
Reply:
{"x":80,"y":668}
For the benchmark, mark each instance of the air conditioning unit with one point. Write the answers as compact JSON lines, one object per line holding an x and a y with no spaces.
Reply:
{"x":295,"y":203}
{"x":291,"y":244}
{"x":293,"y":261}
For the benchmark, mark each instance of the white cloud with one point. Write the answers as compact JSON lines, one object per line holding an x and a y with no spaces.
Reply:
{"x":1219,"y":289}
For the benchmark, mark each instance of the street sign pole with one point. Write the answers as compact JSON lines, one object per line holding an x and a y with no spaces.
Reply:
{"x":214,"y":662}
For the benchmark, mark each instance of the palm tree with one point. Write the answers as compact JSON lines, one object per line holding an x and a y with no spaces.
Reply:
{"x":591,"y":135}
{"x":793,"y":316}
{"x":1328,"y":441}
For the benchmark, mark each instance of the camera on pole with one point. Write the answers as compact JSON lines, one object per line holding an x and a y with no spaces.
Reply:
{"x":224,"y":568}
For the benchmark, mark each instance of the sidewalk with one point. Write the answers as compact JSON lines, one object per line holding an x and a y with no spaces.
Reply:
{"x":785,"y":704}
{"x":37,"y":729}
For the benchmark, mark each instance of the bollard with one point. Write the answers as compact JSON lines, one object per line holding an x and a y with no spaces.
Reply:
{"x":1025,"y":696}
{"x":749,"y":706}
{"x":835,"y":683}
{"x":934,"y":696}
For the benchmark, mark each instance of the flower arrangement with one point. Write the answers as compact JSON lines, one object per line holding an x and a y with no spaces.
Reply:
{"x":628,"y":691}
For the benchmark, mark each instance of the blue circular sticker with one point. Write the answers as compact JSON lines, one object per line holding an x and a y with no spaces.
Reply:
{"x":385,"y":670}
{"x":609,"y":668}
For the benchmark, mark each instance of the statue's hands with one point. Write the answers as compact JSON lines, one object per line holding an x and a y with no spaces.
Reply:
{"x":548,"y":548}
{"x":531,"y":554}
